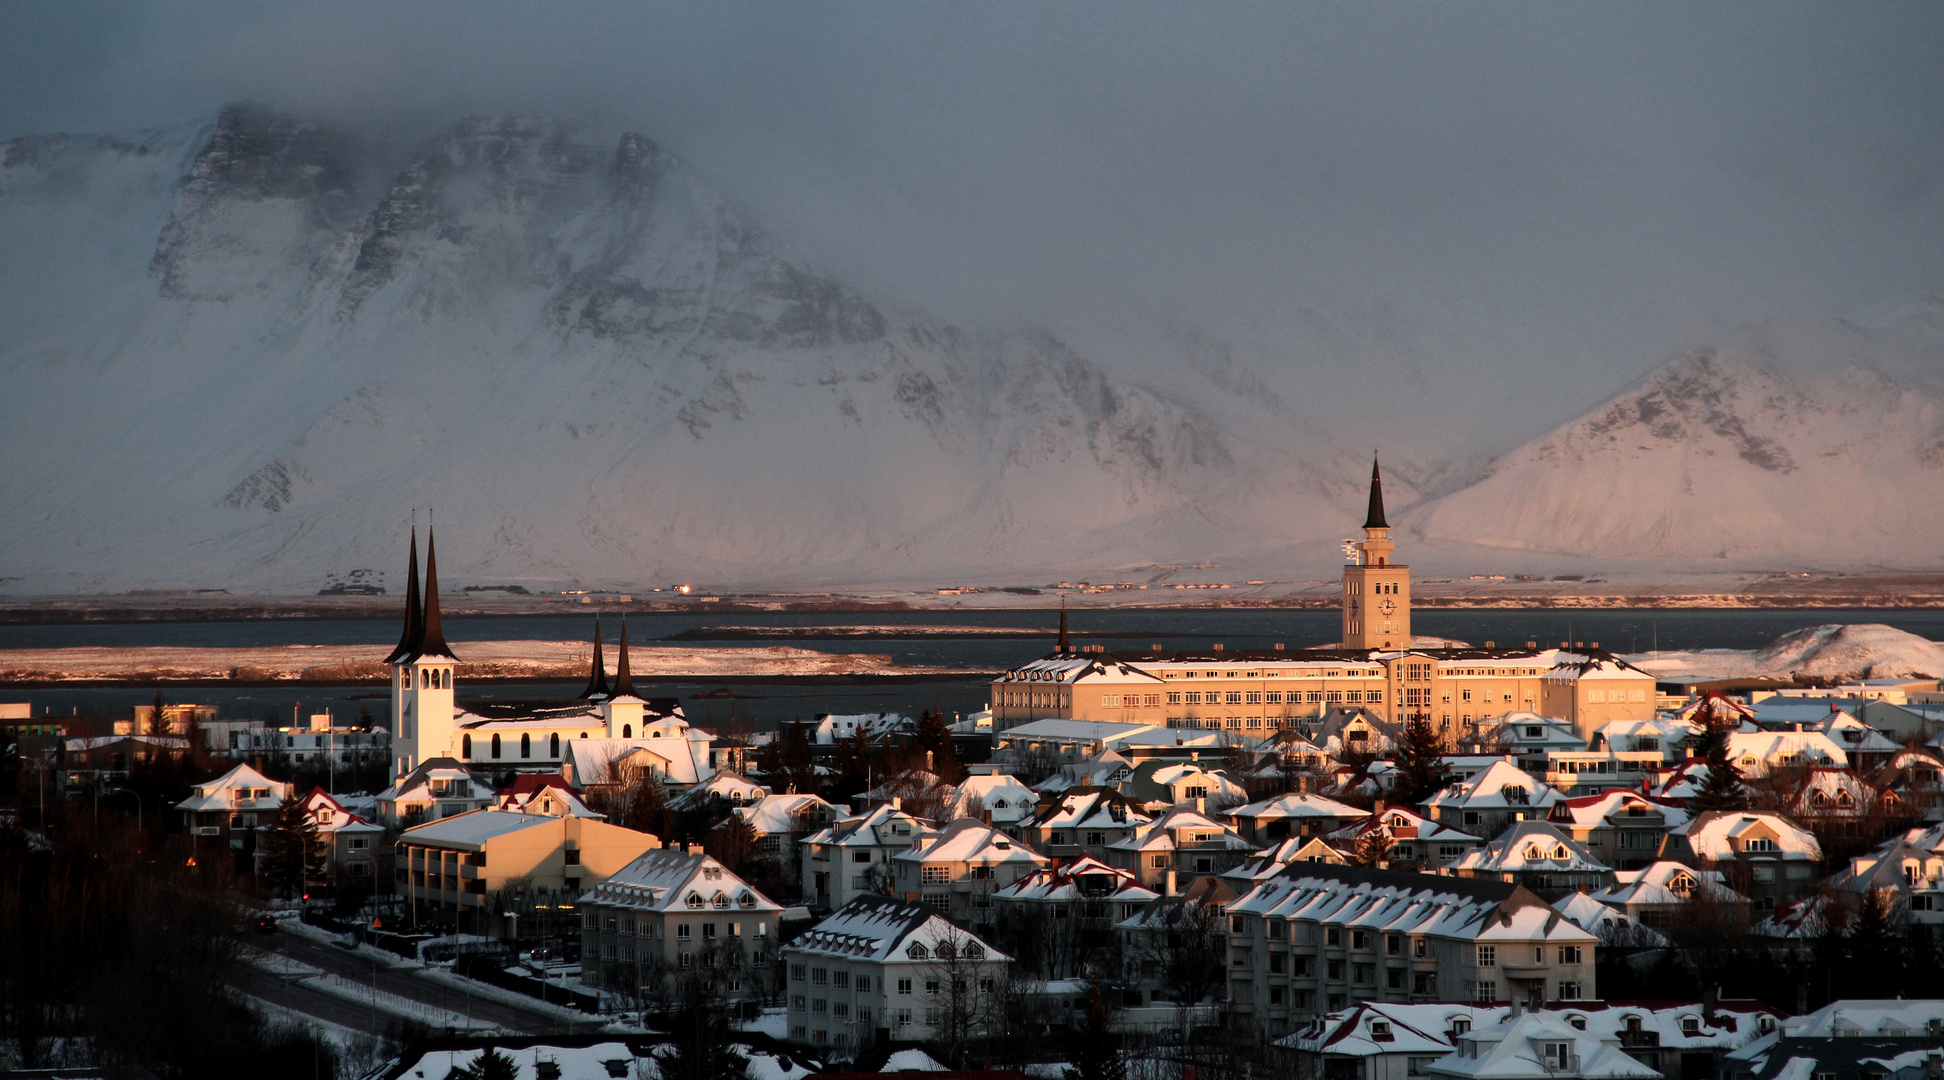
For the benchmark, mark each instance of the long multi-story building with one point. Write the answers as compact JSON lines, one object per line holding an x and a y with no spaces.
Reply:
{"x":1318,"y":938}
{"x":1378,"y":665}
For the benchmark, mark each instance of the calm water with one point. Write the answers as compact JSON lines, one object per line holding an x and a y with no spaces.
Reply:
{"x":763,"y":705}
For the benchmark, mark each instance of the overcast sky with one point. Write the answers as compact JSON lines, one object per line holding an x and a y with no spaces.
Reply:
{"x":1495,"y":214}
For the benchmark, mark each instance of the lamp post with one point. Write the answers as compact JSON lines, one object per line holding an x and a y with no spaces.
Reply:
{"x":138,"y":805}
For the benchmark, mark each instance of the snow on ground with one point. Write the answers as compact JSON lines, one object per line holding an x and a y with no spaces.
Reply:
{"x":480,"y":660}
{"x":337,"y":1034}
{"x":1864,"y":650}
{"x":772,"y":1022}
{"x":364,"y":994}
{"x":501,"y":994}
{"x":576,"y":1063}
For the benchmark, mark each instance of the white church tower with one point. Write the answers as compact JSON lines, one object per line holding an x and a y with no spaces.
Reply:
{"x":422,"y":703}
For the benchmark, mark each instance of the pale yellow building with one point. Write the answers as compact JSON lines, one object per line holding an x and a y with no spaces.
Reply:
{"x":1376,"y":666}
{"x":457,"y":864}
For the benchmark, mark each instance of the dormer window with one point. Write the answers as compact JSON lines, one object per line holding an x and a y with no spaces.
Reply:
{"x":917,"y":951}
{"x":1690,"y":1025}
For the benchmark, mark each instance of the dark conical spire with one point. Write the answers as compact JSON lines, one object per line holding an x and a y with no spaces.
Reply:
{"x":1375,"y":519}
{"x":597,"y":684}
{"x":431,"y":636}
{"x":412,"y":616}
{"x":1065,"y":645}
{"x":623,"y":681}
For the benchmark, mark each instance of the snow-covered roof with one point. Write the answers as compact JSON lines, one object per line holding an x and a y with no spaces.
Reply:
{"x":1666,"y":883}
{"x":1725,"y":834}
{"x":1489,"y":791}
{"x":1404,"y":823}
{"x":1514,"y":1048}
{"x":1426,"y":1028}
{"x":833,"y":728}
{"x":472,"y":829}
{"x":417,"y":784}
{"x":543,"y":793}
{"x":726,"y":785}
{"x":1084,"y":877}
{"x":1180,"y":827}
{"x":594,"y":762}
{"x":1604,"y":922}
{"x":1531,"y":846}
{"x":781,"y":813}
{"x":1103,"y":731}
{"x":878,"y":827}
{"x":672,"y":879}
{"x":878,"y":928}
{"x":1392,"y":901}
{"x":1156,"y":782}
{"x":332,"y":816}
{"x":1574,"y":667}
{"x":1755,"y":752}
{"x":1614,"y":808}
{"x":971,"y":841}
{"x":1089,"y":810}
{"x":240,"y":784}
{"x":1001,"y":796}
{"x":1301,"y":806}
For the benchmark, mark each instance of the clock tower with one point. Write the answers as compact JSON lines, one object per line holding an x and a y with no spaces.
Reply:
{"x":1376,"y":591}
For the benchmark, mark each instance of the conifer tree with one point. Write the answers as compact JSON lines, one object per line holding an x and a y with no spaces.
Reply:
{"x":293,"y":852}
{"x":935,"y":736}
{"x":1723,"y":789}
{"x":1420,"y":761}
{"x":700,"y":1046}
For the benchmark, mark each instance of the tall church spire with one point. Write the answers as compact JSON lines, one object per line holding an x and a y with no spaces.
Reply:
{"x":431,"y":635}
{"x":623,"y":681}
{"x":597,"y":684}
{"x":1375,"y":519}
{"x":412,"y":616}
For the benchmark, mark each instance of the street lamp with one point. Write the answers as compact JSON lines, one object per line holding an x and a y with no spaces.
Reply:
{"x":138,"y":805}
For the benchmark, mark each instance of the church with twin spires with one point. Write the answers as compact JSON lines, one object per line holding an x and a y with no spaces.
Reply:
{"x":578,"y":738}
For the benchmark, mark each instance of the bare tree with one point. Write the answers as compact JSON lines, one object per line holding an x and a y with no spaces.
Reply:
{"x":962,"y":1001}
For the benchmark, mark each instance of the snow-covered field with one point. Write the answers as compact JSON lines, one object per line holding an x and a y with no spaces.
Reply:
{"x":1864,"y":650}
{"x":479,"y":660}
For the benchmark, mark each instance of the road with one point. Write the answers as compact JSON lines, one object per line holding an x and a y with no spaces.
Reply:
{"x":404,"y":982}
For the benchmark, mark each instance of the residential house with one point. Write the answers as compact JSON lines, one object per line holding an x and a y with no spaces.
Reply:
{"x":1541,"y":1045}
{"x":542,"y":793}
{"x":1909,"y":868}
{"x":1578,"y":773}
{"x":1593,"y":688}
{"x":727,"y":789}
{"x":1495,"y":799}
{"x":99,"y":762}
{"x":1851,"y":1039}
{"x":1069,"y":909}
{"x":1839,"y":802}
{"x":1295,"y":814}
{"x":851,"y":857}
{"x":999,"y":798}
{"x":1318,"y":937}
{"x":1521,"y":733}
{"x":1762,"y":855}
{"x":1157,"y":785}
{"x":1757,"y":753}
{"x":1389,"y":1041}
{"x":467,"y":868}
{"x":1354,"y":731}
{"x":436,"y":788}
{"x":1102,"y":769}
{"x":1413,"y":838}
{"x":1669,"y":737}
{"x":780,"y":820}
{"x":1160,"y":935}
{"x":672,"y":914}
{"x":678,"y":758}
{"x":1657,"y":896}
{"x":1269,"y":861}
{"x":351,"y":844}
{"x":1622,"y":829}
{"x":1916,"y":775}
{"x":1082,"y":821}
{"x":1538,"y":856}
{"x":228,"y":809}
{"x":1182,"y":841}
{"x":878,"y":969}
{"x":1866,"y":748}
{"x":957,"y":870}
{"x":1613,"y":928}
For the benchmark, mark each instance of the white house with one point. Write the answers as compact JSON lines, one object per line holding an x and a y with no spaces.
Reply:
{"x":851,"y":857}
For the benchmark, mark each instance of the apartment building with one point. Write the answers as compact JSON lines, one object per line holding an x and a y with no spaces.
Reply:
{"x":851,"y":857}
{"x":1319,"y":938}
{"x":673,"y":914}
{"x":455,"y":865}
{"x":956,"y":871}
{"x":879,"y":969}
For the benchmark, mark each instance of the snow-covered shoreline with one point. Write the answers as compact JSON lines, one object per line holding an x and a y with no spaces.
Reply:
{"x":1831,"y":651}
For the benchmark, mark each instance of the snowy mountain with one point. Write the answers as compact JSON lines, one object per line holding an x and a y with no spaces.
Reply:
{"x":257,"y":349}
{"x":1830,"y":651}
{"x":1790,"y":444}
{"x":237,"y":354}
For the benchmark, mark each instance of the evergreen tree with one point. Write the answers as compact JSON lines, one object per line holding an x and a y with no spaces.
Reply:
{"x":647,"y":805}
{"x":699,"y":1047}
{"x":733,"y":843}
{"x":293,"y":852}
{"x":1373,"y":848}
{"x":1420,"y":761}
{"x":786,"y":761}
{"x":1093,"y":1049}
{"x":159,"y":719}
{"x":1723,"y":788}
{"x":936,"y":737}
{"x":491,"y":1065}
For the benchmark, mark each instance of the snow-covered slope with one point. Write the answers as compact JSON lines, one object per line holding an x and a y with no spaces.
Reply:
{"x":1792,"y":443}
{"x":587,"y":361}
{"x":1832,"y":651}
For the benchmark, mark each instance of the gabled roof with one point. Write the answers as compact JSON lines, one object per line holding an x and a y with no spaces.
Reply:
{"x":1531,"y":846}
{"x":873,"y":828}
{"x":1667,"y":883}
{"x":1002,"y":797}
{"x":343,"y":819}
{"x":881,"y":929}
{"x":779,"y":813}
{"x":543,"y":793}
{"x":1202,"y":893}
{"x":1300,"y":806}
{"x":1161,"y":833}
{"x":1718,"y":834}
{"x":1404,"y":823}
{"x":422,"y":776}
{"x":1087,"y":809}
{"x":1154,"y":781}
{"x":1611,"y":925}
{"x":1082,"y":877}
{"x":1510,"y":1050}
{"x":213,"y":795}
{"x":1610,"y":808}
{"x":969,"y":840}
{"x":1486,"y":791}
{"x":672,"y":879}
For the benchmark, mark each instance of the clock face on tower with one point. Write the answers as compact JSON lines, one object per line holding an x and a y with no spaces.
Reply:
{"x":1387,"y":607}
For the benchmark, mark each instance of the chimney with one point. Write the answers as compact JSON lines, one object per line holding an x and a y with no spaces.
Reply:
{"x":1279,"y":646}
{"x":1218,"y":646}
{"x":897,"y":802}
{"x":1532,"y":644}
{"x":1710,"y":1000}
{"x":1302,"y":783}
{"x":1168,"y":887}
{"x":928,"y":762}
{"x":1802,"y":999}
{"x":1595,"y":645}
{"x":1491,"y":644}
{"x":1517,"y":1008}
{"x":1201,"y":804}
{"x":1377,"y":807}
{"x":1933,"y":1065}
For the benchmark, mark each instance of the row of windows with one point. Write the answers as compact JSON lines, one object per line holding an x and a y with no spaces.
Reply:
{"x":933,"y":988}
